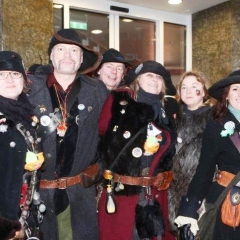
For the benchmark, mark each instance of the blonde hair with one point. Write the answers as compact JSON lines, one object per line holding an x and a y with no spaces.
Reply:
{"x":135,"y":87}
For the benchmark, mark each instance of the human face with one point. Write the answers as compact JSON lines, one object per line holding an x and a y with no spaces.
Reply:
{"x":111,"y":73}
{"x":12,"y":86}
{"x":233,"y":96}
{"x":66,"y":58}
{"x":192,"y":92}
{"x":151,"y":82}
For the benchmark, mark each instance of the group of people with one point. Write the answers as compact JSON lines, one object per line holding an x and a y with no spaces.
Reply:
{"x":112,"y":150}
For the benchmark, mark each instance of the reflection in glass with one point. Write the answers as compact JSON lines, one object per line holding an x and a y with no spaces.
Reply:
{"x":93,"y":28}
{"x":175,"y":49}
{"x":57,"y":17}
{"x":137,"y":39}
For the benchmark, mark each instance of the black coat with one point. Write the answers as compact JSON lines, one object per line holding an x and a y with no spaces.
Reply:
{"x":82,"y":200}
{"x":13,"y":150}
{"x":216,"y":151}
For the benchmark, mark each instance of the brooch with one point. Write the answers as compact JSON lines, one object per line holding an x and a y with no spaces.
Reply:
{"x":229,"y":129}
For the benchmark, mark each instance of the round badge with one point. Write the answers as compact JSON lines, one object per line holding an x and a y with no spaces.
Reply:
{"x":229,"y":125}
{"x":123,"y":102}
{"x":127,"y":134}
{"x":81,"y":106}
{"x":45,"y":120}
{"x":179,"y":140}
{"x":12,"y":144}
{"x":137,"y":152}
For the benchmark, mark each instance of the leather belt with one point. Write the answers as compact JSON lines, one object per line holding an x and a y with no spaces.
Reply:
{"x":61,"y":183}
{"x":160,"y":182}
{"x":224,"y":178}
{"x":137,"y":181}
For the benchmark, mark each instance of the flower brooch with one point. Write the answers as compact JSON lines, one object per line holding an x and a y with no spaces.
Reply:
{"x":229,"y":129}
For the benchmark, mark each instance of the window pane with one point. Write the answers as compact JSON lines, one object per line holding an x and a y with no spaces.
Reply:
{"x":174,"y":49}
{"x":85,"y":22}
{"x":137,"y":39}
{"x":57,"y":17}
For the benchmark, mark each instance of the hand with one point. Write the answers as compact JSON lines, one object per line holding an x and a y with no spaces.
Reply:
{"x":8,"y":228}
{"x":185,"y":232}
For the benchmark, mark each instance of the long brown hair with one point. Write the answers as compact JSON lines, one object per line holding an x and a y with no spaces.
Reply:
{"x":207,"y":100}
{"x":220,"y":107}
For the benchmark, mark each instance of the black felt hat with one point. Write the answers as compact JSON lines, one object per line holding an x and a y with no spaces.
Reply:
{"x":153,"y":67}
{"x":12,"y":61}
{"x":112,"y":55}
{"x":216,"y":90}
{"x":91,"y":59}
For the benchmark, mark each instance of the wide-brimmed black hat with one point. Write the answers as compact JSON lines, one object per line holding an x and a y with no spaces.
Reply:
{"x":91,"y":59}
{"x":216,"y":90}
{"x":153,"y":67}
{"x":12,"y":61}
{"x":112,"y":55}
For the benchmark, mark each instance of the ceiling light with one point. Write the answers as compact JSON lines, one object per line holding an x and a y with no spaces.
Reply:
{"x":59,"y":6}
{"x":97,"y":31}
{"x":127,"y":20}
{"x":174,"y":1}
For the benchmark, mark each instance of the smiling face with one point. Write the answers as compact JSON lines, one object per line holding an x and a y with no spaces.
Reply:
{"x":111,"y":73}
{"x":233,"y":96}
{"x":151,"y":82}
{"x":12,"y":86}
{"x":66,"y":58}
{"x":192,"y":92}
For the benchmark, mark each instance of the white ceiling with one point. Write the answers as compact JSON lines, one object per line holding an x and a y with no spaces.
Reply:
{"x":186,"y":7}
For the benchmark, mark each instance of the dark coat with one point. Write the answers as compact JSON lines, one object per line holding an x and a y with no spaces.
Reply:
{"x":190,"y":128}
{"x":82,"y":200}
{"x":130,"y":117}
{"x":220,"y":151}
{"x":12,"y":160}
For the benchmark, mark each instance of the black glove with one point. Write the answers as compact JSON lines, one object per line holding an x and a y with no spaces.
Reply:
{"x":8,"y":228}
{"x":185,"y":232}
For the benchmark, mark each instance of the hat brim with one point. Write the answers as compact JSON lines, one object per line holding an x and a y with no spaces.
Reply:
{"x":216,"y":90}
{"x":91,"y":59}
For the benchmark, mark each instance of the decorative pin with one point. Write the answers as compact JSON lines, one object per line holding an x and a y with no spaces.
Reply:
{"x":137,"y":152}
{"x":45,"y":120}
{"x":77,"y":119}
{"x":126,"y":134}
{"x":122,"y":111}
{"x":115,"y":128}
{"x":42,"y":108}
{"x":90,"y":108}
{"x":3,"y":127}
{"x":123,"y":102}
{"x":12,"y":144}
{"x":81,"y":106}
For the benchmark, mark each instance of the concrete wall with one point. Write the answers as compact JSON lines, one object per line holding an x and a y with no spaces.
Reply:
{"x":26,"y":27}
{"x":216,"y":40}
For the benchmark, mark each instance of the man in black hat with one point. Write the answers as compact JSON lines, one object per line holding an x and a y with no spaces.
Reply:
{"x":68,"y":104}
{"x":112,"y":68}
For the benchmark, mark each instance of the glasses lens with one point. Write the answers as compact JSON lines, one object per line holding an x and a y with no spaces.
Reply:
{"x":15,"y":74}
{"x":3,"y":75}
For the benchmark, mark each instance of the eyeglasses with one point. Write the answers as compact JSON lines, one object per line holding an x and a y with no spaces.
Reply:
{"x":15,"y":75}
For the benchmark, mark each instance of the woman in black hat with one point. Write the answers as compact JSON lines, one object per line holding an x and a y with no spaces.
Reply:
{"x":137,"y":149}
{"x":19,"y":145}
{"x":220,"y":149}
{"x":194,"y":111}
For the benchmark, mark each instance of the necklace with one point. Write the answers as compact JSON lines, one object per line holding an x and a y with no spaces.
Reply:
{"x":62,"y":126}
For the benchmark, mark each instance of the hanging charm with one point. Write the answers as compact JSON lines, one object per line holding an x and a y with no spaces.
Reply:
{"x":61,"y":129}
{"x":110,"y":203}
{"x":119,"y":187}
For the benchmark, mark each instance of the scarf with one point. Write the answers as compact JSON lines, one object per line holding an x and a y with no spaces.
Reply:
{"x":18,"y":111}
{"x":234,"y":111}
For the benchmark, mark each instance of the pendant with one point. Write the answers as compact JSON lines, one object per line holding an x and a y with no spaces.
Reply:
{"x":110,"y":202}
{"x":61,"y":129}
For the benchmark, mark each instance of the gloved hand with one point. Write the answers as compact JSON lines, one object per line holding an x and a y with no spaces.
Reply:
{"x":185,"y":232}
{"x":8,"y":228}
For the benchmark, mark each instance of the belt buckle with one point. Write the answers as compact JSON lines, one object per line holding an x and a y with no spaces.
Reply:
{"x":62,"y":183}
{"x":145,"y":182}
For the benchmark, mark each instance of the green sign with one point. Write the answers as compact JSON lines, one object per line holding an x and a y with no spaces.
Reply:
{"x":78,"y":25}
